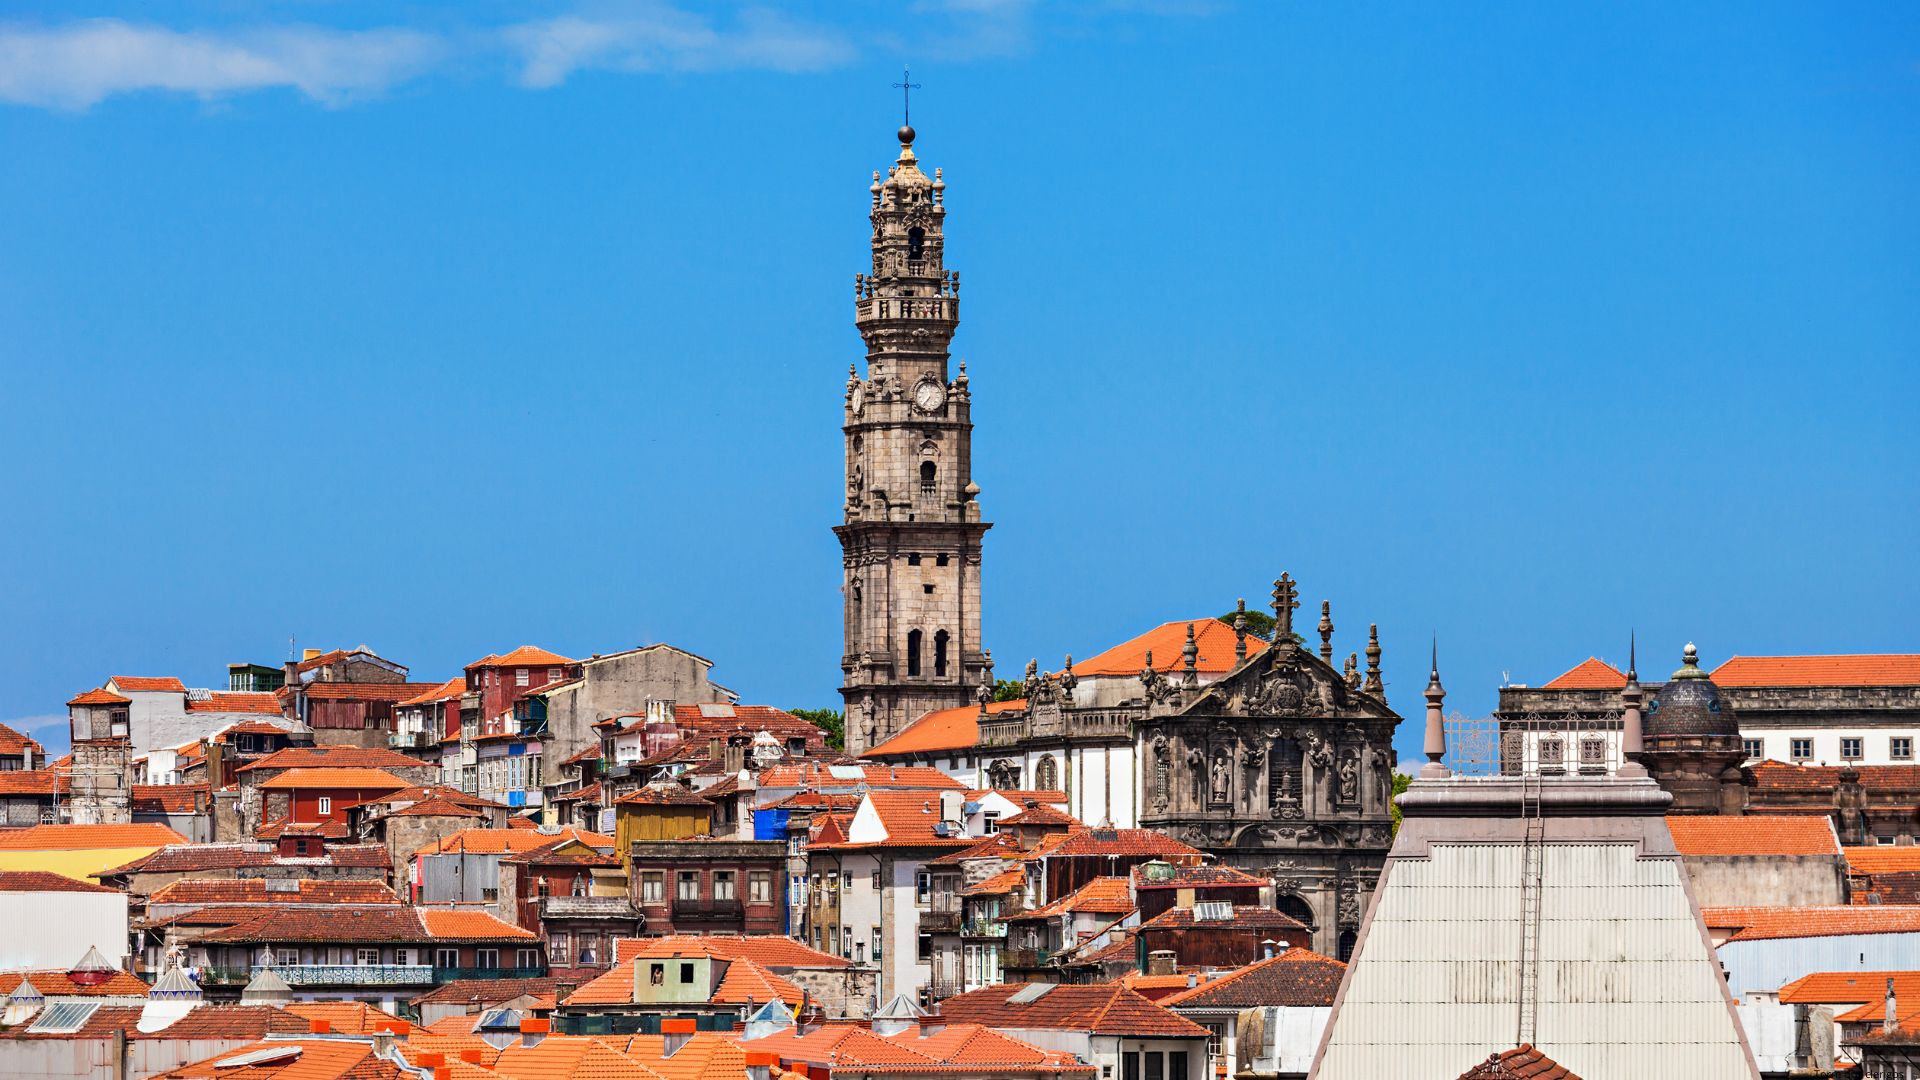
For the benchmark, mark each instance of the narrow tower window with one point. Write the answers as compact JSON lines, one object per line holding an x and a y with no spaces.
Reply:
{"x":913,"y":652}
{"x":928,"y":474}
{"x":916,"y":243}
{"x":940,"y":653}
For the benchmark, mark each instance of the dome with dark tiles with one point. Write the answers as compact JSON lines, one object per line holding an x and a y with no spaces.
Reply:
{"x":1690,"y":705}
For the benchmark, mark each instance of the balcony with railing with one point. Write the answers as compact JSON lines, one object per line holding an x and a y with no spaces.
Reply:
{"x":365,"y":974}
{"x":1052,"y":722}
{"x":706,"y":909}
{"x":1025,"y":958}
{"x":983,"y":928}
{"x":412,"y":740}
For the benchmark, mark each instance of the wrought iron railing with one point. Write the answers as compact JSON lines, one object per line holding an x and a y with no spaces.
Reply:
{"x":987,"y":928}
{"x":1571,"y":744}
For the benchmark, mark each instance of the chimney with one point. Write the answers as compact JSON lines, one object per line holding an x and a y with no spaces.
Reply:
{"x":1267,"y":947}
{"x":1889,"y":1024}
{"x":951,"y":805}
{"x":533,"y":1031}
{"x":470,"y":1055}
{"x":433,"y":1059}
{"x":444,"y":1072}
{"x":675,"y":1033}
{"x":1160,"y":962}
{"x":325,"y":1027}
{"x":290,"y":673}
{"x":1193,"y":980}
{"x":308,"y":654}
{"x":760,"y":1064}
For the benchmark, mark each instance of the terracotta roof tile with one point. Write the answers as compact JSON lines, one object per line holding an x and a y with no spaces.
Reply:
{"x":1851,"y":987}
{"x":999,"y":884}
{"x":186,"y":858}
{"x":392,"y":693}
{"x":483,"y":992}
{"x":908,"y":817}
{"x":334,"y":757}
{"x":87,"y":837}
{"x":45,"y":881}
{"x":747,"y":981}
{"x":57,"y":983}
{"x":1103,"y":1009}
{"x":438,"y":806}
{"x":1121,"y":842}
{"x":233,"y":701}
{"x":663,"y":793}
{"x":1245,"y":917}
{"x":292,"y":1059}
{"x":1589,"y":674}
{"x":1197,"y":877}
{"x":1757,"y":923}
{"x":450,"y":690}
{"x":337,"y":779}
{"x":141,"y":684}
{"x":816,"y":774}
{"x":344,"y":1017}
{"x":1295,"y":978}
{"x":101,"y":696}
{"x":1040,"y":815}
{"x":1886,"y":669}
{"x":1769,"y":776}
{"x":957,"y":728}
{"x":256,"y":891}
{"x":509,"y":841}
{"x":446,"y":925}
{"x":524,"y":656}
{"x":774,"y":951}
{"x":1214,"y":639}
{"x":12,"y":743}
{"x":1702,"y":835}
{"x":33,"y":782}
{"x":1522,"y":1063}
{"x":1101,"y":896}
{"x":1883,"y":858}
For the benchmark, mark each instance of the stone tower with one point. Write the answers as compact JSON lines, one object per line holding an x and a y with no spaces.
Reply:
{"x":911,"y":540}
{"x":101,"y":780}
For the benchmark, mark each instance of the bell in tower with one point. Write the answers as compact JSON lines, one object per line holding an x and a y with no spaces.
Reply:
{"x":911,"y":538}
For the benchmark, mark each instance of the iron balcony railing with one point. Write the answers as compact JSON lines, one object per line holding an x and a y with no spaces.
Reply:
{"x":986,"y":928}
{"x":365,"y":974}
{"x":1024,"y":958}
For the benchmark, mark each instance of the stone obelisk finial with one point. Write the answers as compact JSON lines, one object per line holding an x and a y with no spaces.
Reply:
{"x":1374,"y":684}
{"x":1240,"y":630}
{"x":1631,"y":743}
{"x":1191,"y":652}
{"x":1326,"y":631}
{"x":1436,"y":740}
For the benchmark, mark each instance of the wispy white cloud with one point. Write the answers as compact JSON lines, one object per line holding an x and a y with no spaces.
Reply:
{"x":656,"y":37}
{"x":80,"y":64}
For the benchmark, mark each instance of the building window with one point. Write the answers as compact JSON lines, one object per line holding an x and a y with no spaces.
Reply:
{"x":815,"y":891}
{"x":526,"y":958}
{"x":657,"y":974}
{"x":1177,"y":1065}
{"x":1130,"y":1065}
{"x":689,"y":885}
{"x":486,"y":958}
{"x":929,"y":476}
{"x":846,"y":942}
{"x":579,"y":885}
{"x":1155,"y":1063}
{"x":1900,"y":748}
{"x":913,"y":650}
{"x":940,"y":560}
{"x":876,"y":944}
{"x":990,"y":821}
{"x":1802,"y":749}
{"x":653,"y":886}
{"x":922,"y":887}
{"x":323,"y":806}
{"x":1850,"y":747}
{"x":489,"y":896}
{"x":521,"y":677}
{"x":1753,"y":747}
{"x":723,"y":885}
{"x":686,"y":972}
{"x":1552,"y":753}
{"x":846,"y":882}
{"x":939,"y":650}
{"x":366,"y":957}
{"x":403,"y":957}
{"x":913,"y":560}
{"x":553,"y":674}
{"x":876,"y":881}
{"x":560,"y":947}
{"x":446,"y":958}
{"x":926,"y":947}
{"x":540,"y":888}
{"x":760,"y":886}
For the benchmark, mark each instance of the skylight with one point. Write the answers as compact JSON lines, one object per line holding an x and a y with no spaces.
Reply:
{"x":64,"y":1017}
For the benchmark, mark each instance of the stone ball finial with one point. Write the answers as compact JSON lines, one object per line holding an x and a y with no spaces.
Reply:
{"x":906,"y":135}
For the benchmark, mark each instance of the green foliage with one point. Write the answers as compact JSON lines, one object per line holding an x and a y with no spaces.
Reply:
{"x":1259,"y":624}
{"x":831,"y":721}
{"x":1007,"y":689}
{"x":1400,"y":782}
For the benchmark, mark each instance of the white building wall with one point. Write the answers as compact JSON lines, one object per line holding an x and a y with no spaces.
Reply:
{"x":1876,"y":745}
{"x":903,"y":970}
{"x":158,"y":718}
{"x":49,"y":930}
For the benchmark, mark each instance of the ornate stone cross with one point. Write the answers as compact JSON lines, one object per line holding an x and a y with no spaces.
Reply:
{"x":1286,"y":597}
{"x":906,"y":86}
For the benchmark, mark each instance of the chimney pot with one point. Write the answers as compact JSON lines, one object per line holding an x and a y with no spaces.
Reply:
{"x":321,"y":1027}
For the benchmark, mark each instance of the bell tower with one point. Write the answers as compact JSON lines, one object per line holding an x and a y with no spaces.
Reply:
{"x":911,"y":539}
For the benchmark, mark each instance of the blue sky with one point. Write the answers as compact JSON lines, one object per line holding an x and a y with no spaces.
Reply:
{"x":452,"y":328}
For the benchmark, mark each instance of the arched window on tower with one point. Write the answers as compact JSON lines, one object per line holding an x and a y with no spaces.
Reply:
{"x":929,"y":473}
{"x":913,"y":652}
{"x":916,"y":243}
{"x":940,"y":652}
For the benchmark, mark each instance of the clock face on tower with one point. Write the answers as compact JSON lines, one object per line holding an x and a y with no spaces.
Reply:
{"x":857,"y":401}
{"x":929,"y":396}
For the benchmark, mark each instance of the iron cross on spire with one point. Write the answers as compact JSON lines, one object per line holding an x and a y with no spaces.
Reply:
{"x":1285,"y":599}
{"x":906,"y":86}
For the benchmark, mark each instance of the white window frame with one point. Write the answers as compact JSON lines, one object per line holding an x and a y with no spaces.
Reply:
{"x":323,"y":805}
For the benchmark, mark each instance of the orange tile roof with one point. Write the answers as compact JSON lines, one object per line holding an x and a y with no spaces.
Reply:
{"x":336,"y":779}
{"x":1521,"y":1063}
{"x":1040,"y":815}
{"x":1101,"y":896}
{"x":140,"y":684}
{"x":814,"y":774}
{"x":446,"y":691}
{"x":1884,"y":669}
{"x":943,"y":1049}
{"x":452,"y":925}
{"x":291,"y":1059}
{"x":334,"y":757}
{"x":12,"y":743}
{"x":229,"y":701}
{"x":569,"y":1057}
{"x":101,"y":696}
{"x":1103,"y":1009}
{"x":1702,"y":835}
{"x":613,"y":988}
{"x":1592,"y":673}
{"x":345,"y":1017}
{"x":45,"y":881}
{"x":438,"y":806}
{"x":1759,"y":923}
{"x":248,"y":727}
{"x":767,"y":950}
{"x":363,"y":691}
{"x":747,"y":981}
{"x":1118,"y":842}
{"x":1213,"y":638}
{"x":908,"y":817}
{"x":1295,"y":978}
{"x":1850,"y":987}
{"x":1883,"y":859}
{"x":524,"y":656}
{"x":87,"y":837}
{"x":509,"y":841}
{"x":255,"y":891}
{"x":55,"y":983}
{"x":999,"y":884}
{"x":957,"y":728}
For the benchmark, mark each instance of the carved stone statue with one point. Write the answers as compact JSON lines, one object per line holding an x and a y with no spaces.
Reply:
{"x":1162,"y":771}
{"x":1349,"y":777}
{"x":1351,"y":674}
{"x":1222,"y":776}
{"x":1197,"y":763}
{"x":1383,"y":772}
{"x":1030,"y":685}
{"x":1349,"y":908}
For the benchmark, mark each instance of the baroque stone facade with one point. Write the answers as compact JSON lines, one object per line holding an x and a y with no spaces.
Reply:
{"x":1283,"y":766}
{"x":911,"y":538}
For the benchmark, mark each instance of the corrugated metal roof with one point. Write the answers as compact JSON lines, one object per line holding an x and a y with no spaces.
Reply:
{"x":1627,"y":985}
